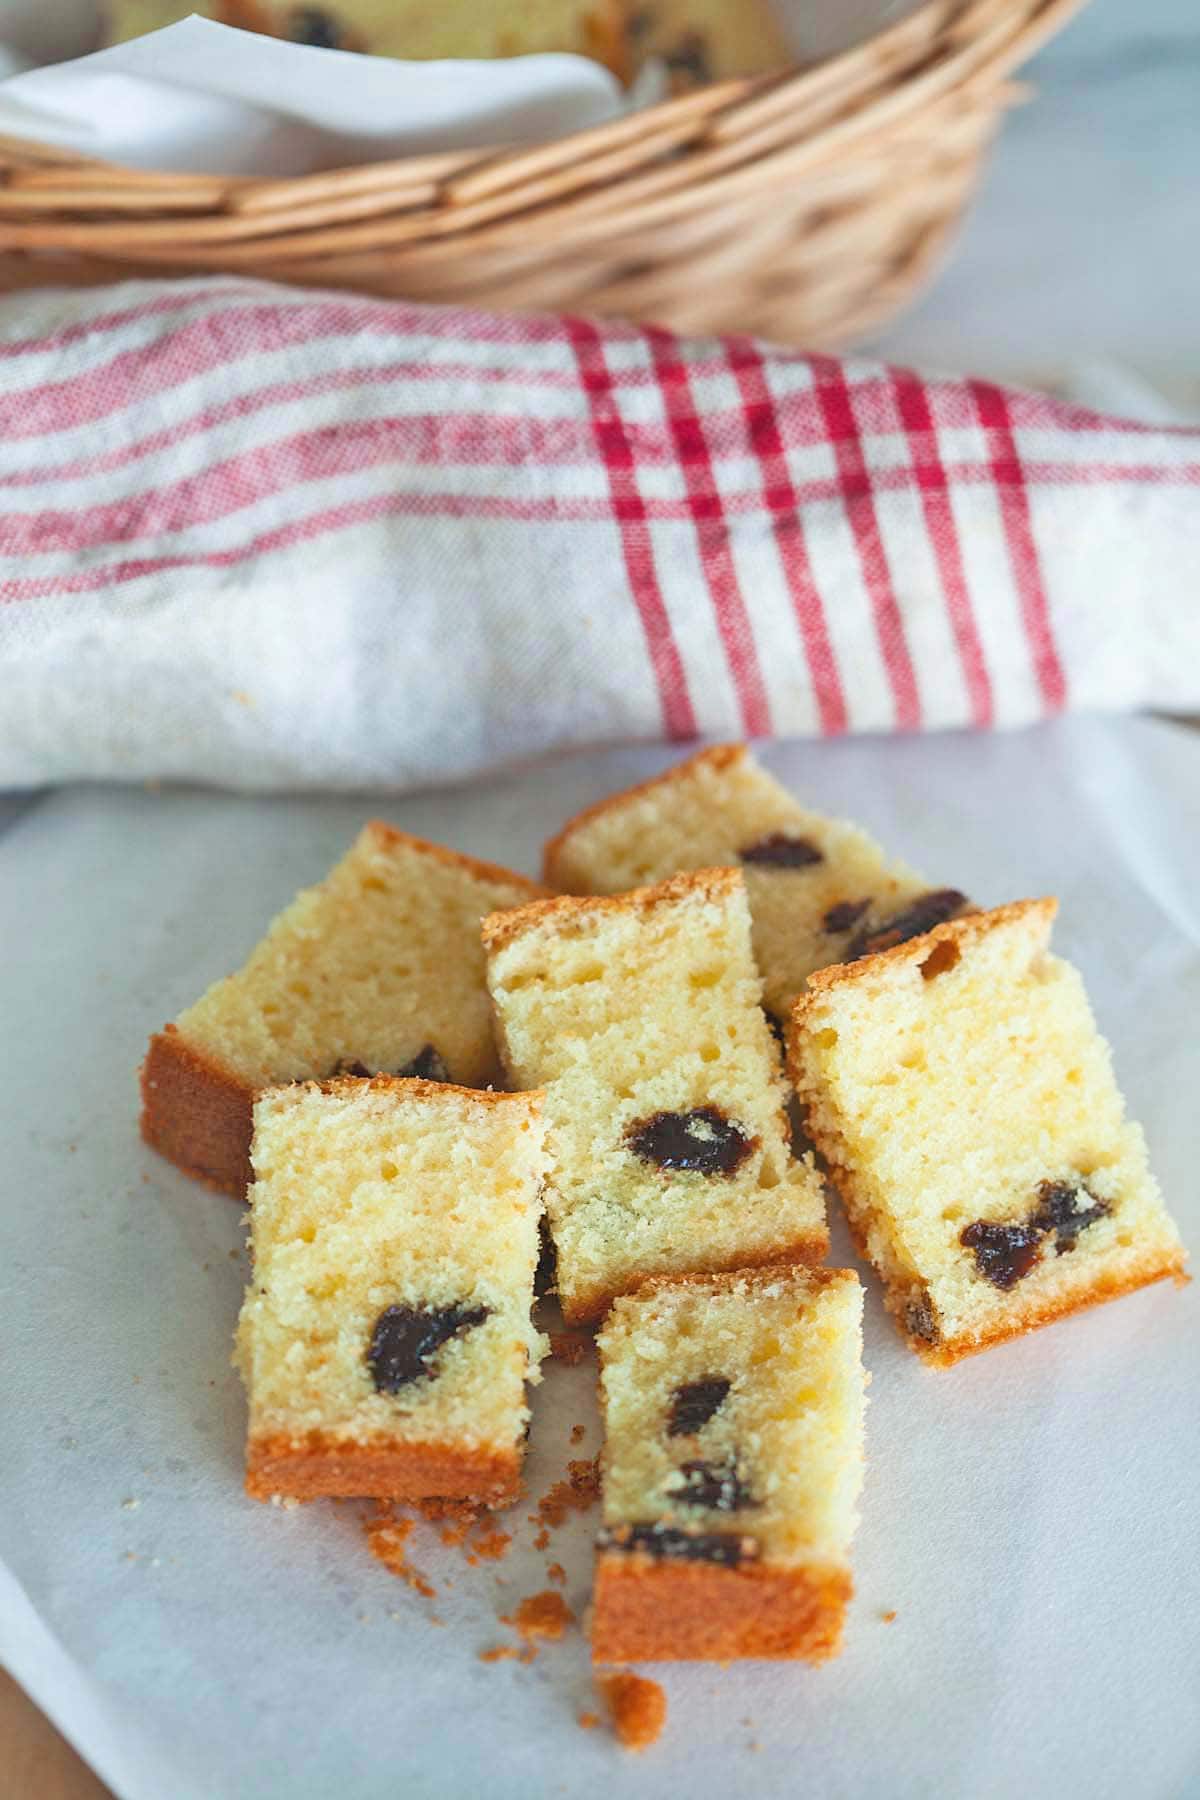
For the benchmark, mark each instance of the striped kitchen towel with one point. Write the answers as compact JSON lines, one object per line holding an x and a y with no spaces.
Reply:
{"x":273,"y":538}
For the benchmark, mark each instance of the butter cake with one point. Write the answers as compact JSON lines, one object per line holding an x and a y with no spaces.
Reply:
{"x":820,"y":890}
{"x":733,"y":1413}
{"x":386,"y":1339}
{"x":667,"y":1139}
{"x":966,"y":1105}
{"x":378,"y":968}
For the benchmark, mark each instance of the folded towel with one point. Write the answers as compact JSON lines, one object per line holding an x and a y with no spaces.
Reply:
{"x":270,"y":538}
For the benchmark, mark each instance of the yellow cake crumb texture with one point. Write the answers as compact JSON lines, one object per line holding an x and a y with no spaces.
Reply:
{"x":634,"y":1010}
{"x":371,"y":966}
{"x":392,"y":1194}
{"x":813,"y":883}
{"x":745,"y":1391}
{"x":958,"y":1084}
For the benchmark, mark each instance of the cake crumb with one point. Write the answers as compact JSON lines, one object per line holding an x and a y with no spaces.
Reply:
{"x":578,"y":1433}
{"x":580,"y":1490}
{"x":556,"y":1573}
{"x":638,"y":1707}
{"x":542,"y":1540}
{"x":458,"y":1519}
{"x":130,"y":1505}
{"x":387,"y":1536}
{"x":500,"y":1653}
{"x":566,"y":1347}
{"x":589,"y":1720}
{"x":544,"y":1615}
{"x":888,"y":1618}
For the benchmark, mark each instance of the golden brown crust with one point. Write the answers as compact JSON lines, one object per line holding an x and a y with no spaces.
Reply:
{"x":720,"y":756}
{"x":196,"y":1113}
{"x":455,"y":859}
{"x":666,"y":1610}
{"x":500,"y":928}
{"x":589,"y":1307}
{"x":319,"y":1465}
{"x":417,"y":1088}
{"x":961,"y":932}
{"x":726,"y":1280}
{"x":1044,"y":1310}
{"x":1048,"y":1309}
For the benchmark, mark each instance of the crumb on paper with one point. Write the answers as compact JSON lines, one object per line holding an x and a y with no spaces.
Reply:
{"x":556,"y":1573}
{"x":577,"y":1493}
{"x":387,"y":1537}
{"x":545,"y":1615}
{"x":578,"y":1433}
{"x":500,"y":1653}
{"x":458,"y":1519}
{"x":542,"y":1540}
{"x":288,"y":1502}
{"x":888,"y":1618}
{"x":568,"y":1347}
{"x":131,"y":1504}
{"x":589,"y":1720}
{"x":638,"y":1708}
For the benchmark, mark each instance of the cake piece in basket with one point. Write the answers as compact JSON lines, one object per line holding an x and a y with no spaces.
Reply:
{"x":966,"y":1106}
{"x":666,"y":1134}
{"x":378,"y":967}
{"x":733,"y":1409}
{"x":385,"y":1339}
{"x":820,"y":890}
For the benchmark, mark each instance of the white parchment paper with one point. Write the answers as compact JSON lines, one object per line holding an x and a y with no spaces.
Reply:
{"x":1031,"y":1516}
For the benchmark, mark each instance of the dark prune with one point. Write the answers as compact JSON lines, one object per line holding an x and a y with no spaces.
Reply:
{"x":1003,"y":1253}
{"x":778,"y":1028}
{"x":728,"y":1548}
{"x":845,"y":914}
{"x":703,"y":1140}
{"x":924,"y":913}
{"x":427,"y":1065}
{"x":311,"y":25}
{"x":545,"y":1276}
{"x":780,"y":851}
{"x":1058,"y":1211}
{"x":407,"y":1338}
{"x":717,"y":1487}
{"x":350,"y":1065}
{"x":694,"y":1403}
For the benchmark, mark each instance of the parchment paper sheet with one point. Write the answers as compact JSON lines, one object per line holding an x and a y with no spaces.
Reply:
{"x":1031,"y":1516}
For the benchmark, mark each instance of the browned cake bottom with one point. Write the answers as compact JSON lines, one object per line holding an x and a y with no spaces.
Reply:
{"x":670,"y":1610}
{"x":317,"y":1466}
{"x":196,"y":1114}
{"x":1108,"y":1285}
{"x":589,"y":1308}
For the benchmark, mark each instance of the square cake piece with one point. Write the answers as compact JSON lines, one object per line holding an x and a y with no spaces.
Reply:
{"x":379,"y":967}
{"x":733,"y":1411}
{"x":967,"y":1108}
{"x":820,"y":890}
{"x":385,"y":1339}
{"x":666,"y":1133}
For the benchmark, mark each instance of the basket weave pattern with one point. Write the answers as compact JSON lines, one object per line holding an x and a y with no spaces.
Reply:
{"x":806,"y":207}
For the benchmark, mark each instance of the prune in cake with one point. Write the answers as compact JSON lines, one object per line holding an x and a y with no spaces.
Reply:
{"x":385,"y":1340}
{"x":667,"y":1135}
{"x":731,"y":1539}
{"x":965,"y":1103}
{"x":814,"y":884}
{"x":378,"y":969}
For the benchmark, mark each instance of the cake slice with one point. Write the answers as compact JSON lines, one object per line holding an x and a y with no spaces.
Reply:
{"x":666,"y":1134}
{"x":377,"y":968}
{"x":733,"y":1413}
{"x":385,"y":1339}
{"x":966,"y":1105}
{"x":820,"y":890}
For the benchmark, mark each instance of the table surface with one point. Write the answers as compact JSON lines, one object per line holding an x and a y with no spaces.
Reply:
{"x":1076,"y":257}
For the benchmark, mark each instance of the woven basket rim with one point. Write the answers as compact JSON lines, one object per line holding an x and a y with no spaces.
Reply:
{"x":740,"y":102}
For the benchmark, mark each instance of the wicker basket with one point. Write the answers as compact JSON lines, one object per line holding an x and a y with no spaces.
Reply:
{"x":806,"y":206}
